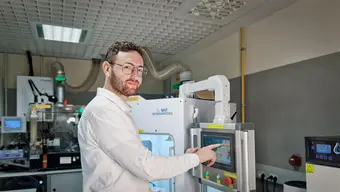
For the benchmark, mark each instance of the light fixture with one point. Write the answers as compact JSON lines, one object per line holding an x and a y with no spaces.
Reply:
{"x":216,"y":9}
{"x":59,"y":33}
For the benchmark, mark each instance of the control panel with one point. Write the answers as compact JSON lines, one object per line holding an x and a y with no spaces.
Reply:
{"x":323,"y":150}
{"x":223,"y":170}
{"x":234,"y":169}
{"x":12,"y":154}
{"x":13,"y":124}
{"x":219,"y":176}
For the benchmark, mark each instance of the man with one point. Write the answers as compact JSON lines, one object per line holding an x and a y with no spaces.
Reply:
{"x":112,"y":155}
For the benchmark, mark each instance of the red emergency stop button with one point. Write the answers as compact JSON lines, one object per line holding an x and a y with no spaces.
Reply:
{"x":228,"y":181}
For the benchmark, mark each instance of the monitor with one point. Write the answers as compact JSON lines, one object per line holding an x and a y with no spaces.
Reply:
{"x":225,"y":154}
{"x":13,"y":124}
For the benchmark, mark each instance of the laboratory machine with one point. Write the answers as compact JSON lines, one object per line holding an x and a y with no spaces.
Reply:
{"x":43,"y":135}
{"x":53,"y":136}
{"x":322,"y":163}
{"x":172,"y":125}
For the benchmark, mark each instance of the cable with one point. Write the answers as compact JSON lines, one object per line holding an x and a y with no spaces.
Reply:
{"x":275,"y":181}
{"x":33,"y":91}
{"x":262,"y":181}
{"x":268,"y":178}
{"x":36,"y":92}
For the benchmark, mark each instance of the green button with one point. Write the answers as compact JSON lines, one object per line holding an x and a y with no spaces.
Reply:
{"x":60,"y":78}
{"x":207,"y":173}
{"x":218,"y":176}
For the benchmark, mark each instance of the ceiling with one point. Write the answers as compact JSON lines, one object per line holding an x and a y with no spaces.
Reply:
{"x":166,"y":27}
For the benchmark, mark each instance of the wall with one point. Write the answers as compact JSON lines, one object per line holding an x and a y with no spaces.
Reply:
{"x":302,"y":31}
{"x":76,"y":73}
{"x":291,"y":89}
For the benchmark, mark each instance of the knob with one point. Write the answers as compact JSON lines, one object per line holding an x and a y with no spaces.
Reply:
{"x":336,"y":149}
{"x":207,"y":175}
{"x":228,"y":181}
{"x":295,"y":161}
{"x":218,"y":179}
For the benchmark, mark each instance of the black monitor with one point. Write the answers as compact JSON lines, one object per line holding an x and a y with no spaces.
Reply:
{"x":225,"y":154}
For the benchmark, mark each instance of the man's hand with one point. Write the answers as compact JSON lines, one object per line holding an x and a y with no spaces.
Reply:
{"x":191,"y":150}
{"x":207,"y":154}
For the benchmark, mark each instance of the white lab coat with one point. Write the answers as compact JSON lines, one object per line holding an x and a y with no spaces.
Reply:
{"x":112,"y":155}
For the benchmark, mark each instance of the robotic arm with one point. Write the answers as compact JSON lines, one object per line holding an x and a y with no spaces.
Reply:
{"x":36,"y":92}
{"x":221,"y":85}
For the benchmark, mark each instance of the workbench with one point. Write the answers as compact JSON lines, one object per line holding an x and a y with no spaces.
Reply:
{"x":69,"y":180}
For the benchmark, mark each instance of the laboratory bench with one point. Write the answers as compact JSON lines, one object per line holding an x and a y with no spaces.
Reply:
{"x":69,"y":180}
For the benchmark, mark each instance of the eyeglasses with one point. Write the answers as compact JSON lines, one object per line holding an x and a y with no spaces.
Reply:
{"x":128,"y":68}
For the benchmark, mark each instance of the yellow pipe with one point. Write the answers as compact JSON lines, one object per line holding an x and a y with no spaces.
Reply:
{"x":242,"y":74}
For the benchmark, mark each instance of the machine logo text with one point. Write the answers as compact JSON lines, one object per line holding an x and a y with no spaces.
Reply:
{"x":162,"y":111}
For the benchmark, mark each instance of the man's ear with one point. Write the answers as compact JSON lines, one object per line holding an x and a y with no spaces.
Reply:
{"x":106,"y":68}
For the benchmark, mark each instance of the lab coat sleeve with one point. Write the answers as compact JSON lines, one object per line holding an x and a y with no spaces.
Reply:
{"x":123,"y":145}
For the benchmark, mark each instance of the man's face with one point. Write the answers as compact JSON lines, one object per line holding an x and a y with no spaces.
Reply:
{"x":123,"y":82}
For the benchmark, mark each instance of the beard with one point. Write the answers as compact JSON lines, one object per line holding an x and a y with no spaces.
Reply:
{"x":121,"y":87}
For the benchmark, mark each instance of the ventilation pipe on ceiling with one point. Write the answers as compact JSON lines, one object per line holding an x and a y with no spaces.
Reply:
{"x":85,"y":86}
{"x":164,"y":73}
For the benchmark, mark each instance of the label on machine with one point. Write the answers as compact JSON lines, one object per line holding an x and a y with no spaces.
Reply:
{"x":65,"y":160}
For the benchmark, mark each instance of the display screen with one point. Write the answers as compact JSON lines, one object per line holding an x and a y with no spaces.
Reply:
{"x":11,"y":154}
{"x":12,"y":124}
{"x":223,"y":153}
{"x":324,"y":148}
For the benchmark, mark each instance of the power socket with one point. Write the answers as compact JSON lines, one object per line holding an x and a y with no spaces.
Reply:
{"x":259,"y":174}
{"x":277,"y":177}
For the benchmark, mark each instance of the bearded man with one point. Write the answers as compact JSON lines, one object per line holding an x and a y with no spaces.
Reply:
{"x":113,"y":157}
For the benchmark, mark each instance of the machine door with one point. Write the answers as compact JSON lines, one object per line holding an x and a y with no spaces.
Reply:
{"x":160,"y":145}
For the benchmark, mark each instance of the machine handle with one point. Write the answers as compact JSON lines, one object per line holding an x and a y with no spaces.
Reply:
{"x":248,"y":161}
{"x":251,"y":160}
{"x":195,"y":141}
{"x":193,"y":137}
{"x":245,"y":162}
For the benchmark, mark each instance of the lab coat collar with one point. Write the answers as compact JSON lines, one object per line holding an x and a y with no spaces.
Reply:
{"x":114,"y":98}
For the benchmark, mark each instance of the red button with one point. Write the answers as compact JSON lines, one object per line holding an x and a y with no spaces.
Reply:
{"x":228,"y":181}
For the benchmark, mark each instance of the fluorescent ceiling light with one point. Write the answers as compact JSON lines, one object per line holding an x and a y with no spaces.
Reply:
{"x":59,"y":33}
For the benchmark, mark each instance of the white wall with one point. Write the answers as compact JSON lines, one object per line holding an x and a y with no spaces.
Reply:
{"x":76,"y":72}
{"x":306,"y":29}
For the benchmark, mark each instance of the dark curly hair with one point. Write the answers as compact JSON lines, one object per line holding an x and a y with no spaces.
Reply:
{"x":124,"y":46}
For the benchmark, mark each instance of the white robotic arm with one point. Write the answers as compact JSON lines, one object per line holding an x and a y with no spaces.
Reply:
{"x":221,"y":85}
